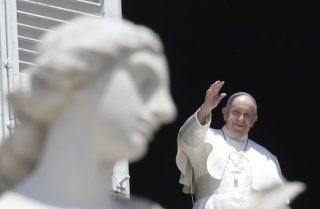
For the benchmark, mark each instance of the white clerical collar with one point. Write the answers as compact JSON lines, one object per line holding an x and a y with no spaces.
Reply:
{"x":237,"y":144}
{"x":225,"y":130}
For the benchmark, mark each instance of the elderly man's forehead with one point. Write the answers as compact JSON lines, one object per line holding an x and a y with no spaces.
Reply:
{"x":244,"y":97}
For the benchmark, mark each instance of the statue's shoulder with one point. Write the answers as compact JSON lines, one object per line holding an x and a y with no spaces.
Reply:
{"x":136,"y":202}
{"x":15,"y":200}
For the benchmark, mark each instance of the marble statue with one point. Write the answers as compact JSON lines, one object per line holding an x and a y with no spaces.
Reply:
{"x":98,"y":93}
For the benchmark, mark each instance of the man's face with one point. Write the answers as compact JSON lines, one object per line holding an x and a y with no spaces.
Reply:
{"x":240,"y":117}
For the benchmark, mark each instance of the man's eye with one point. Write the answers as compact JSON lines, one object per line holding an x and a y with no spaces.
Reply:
{"x":235,"y":113}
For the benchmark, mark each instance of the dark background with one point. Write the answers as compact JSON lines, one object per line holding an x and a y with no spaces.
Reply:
{"x":267,"y":48}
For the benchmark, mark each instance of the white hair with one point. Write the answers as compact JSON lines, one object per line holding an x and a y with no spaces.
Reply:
{"x":241,"y":93}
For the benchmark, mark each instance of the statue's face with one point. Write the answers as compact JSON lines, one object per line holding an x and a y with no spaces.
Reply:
{"x":129,"y":104}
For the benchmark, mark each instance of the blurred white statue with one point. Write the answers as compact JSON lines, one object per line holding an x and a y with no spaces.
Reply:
{"x":275,"y":197}
{"x":98,"y":93}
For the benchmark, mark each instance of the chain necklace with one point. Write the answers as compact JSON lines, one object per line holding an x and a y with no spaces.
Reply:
{"x":236,"y":170}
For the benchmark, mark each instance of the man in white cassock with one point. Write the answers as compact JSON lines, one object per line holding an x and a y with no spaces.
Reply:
{"x":224,"y":167}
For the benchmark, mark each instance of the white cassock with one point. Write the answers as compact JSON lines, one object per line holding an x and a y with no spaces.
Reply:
{"x":220,"y":171}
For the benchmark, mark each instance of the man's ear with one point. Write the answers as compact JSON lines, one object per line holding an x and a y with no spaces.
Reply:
{"x":225,"y":113}
{"x":255,"y":119}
